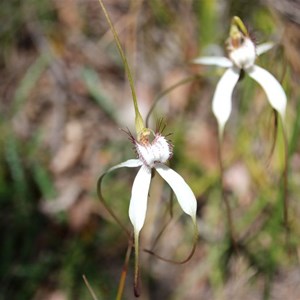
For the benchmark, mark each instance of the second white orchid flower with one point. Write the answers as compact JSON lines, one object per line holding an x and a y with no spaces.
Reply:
{"x":242,"y":54}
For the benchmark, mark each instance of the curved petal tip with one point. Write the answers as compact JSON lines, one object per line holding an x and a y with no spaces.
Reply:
{"x":183,"y":192}
{"x":272,"y":88}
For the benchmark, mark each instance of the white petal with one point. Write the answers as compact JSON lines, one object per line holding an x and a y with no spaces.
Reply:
{"x":213,"y":60}
{"x":130,"y":163}
{"x":139,"y":197}
{"x":183,"y":192}
{"x":272,"y":88}
{"x":221,"y":104}
{"x":262,"y":48}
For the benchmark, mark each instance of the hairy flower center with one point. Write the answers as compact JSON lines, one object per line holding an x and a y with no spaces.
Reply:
{"x":242,"y":52}
{"x":160,"y":150}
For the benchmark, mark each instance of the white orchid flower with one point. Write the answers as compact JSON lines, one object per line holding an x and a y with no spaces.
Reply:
{"x":153,"y":155}
{"x":242,"y":54}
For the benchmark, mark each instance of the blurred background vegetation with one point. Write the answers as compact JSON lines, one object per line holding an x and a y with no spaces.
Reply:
{"x":64,"y":97}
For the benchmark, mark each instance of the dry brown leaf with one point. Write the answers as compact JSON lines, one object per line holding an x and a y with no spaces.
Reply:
{"x":202,"y":145}
{"x":237,"y":179}
{"x":179,"y":97}
{"x":50,"y":295}
{"x":71,"y":150}
{"x":80,"y":213}
{"x":68,"y":195}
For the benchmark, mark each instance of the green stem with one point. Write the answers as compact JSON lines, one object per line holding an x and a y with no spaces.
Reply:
{"x":296,"y":130}
{"x":138,"y":118}
{"x":101,"y":198}
{"x":285,"y":180}
{"x":89,"y":288}
{"x":125,"y":268}
{"x":137,"y":290}
{"x":224,"y":196}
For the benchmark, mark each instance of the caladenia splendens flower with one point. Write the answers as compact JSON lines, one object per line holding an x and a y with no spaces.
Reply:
{"x":153,"y":152}
{"x":242,"y":54}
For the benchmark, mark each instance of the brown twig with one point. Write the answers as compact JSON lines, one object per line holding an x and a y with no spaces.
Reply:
{"x":89,"y":287}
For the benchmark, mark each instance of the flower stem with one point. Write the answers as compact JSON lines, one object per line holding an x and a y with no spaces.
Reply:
{"x":139,"y":123}
{"x":125,"y":268}
{"x":223,"y":192}
{"x":101,"y":198}
{"x":137,"y":290}
{"x":89,"y":288}
{"x":285,"y":182}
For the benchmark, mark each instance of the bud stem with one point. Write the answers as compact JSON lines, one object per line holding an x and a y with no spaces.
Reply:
{"x":139,"y":123}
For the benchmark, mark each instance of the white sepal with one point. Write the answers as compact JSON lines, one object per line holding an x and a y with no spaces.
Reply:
{"x":130,"y":163}
{"x":272,"y":88}
{"x":183,"y":192}
{"x":263,"y":48}
{"x":139,"y":197}
{"x":219,"y":61}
